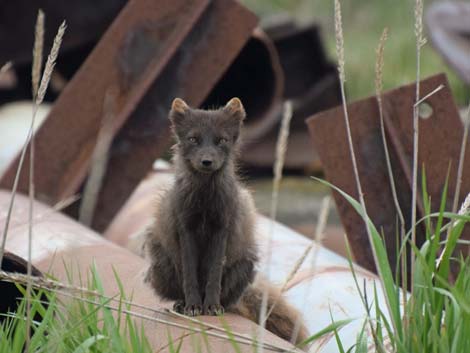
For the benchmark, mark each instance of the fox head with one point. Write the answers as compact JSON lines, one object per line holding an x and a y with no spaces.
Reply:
{"x":206,"y":139}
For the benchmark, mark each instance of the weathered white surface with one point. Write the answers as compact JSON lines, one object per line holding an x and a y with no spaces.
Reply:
{"x":15,"y":121}
{"x":324,"y":282}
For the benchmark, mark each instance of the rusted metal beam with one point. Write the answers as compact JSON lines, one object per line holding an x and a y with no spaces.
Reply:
{"x":439,"y":146}
{"x":203,"y":57}
{"x":153,"y":51}
{"x":131,"y":54}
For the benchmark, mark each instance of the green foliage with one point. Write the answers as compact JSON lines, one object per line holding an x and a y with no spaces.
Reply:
{"x":78,"y":326}
{"x":436,"y":315}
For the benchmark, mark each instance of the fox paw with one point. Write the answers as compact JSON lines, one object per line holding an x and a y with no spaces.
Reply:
{"x":213,"y":309}
{"x":193,"y":310}
{"x":179,"y":306}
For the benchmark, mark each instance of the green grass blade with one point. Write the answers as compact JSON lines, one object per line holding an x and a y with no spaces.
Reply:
{"x":382,"y":263}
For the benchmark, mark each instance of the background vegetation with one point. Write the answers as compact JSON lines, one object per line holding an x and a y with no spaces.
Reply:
{"x":363,"y":23}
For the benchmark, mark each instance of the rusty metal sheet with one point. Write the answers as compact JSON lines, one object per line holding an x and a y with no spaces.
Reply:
{"x":439,"y":146}
{"x":440,"y":137}
{"x":129,"y":57}
{"x":152,"y":52}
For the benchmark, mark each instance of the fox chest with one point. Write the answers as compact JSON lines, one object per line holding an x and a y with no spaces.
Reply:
{"x":205,"y":223}
{"x":208,"y":216}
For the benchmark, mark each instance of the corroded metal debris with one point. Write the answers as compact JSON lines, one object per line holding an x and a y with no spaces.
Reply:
{"x":310,"y":82}
{"x":439,"y":147}
{"x":153,"y":51}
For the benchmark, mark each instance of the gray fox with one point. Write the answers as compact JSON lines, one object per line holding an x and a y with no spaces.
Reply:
{"x":201,"y":244}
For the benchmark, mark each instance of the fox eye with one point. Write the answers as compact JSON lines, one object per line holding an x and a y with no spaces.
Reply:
{"x":222,"y":141}
{"x":192,"y":140}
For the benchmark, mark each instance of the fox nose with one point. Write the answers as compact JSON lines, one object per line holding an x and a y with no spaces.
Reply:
{"x":206,"y":162}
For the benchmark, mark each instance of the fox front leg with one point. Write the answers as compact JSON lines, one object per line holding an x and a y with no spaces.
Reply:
{"x":213,"y":265}
{"x":189,"y":256}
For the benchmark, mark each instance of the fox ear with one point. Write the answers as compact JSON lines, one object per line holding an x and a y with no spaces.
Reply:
{"x":234,"y":108}
{"x":178,"y":111}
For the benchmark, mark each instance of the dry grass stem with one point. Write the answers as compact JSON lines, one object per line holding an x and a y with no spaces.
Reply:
{"x":7,"y":66}
{"x":43,"y":283}
{"x":217,"y":328}
{"x":37,"y":53}
{"x":429,"y":95}
{"x":99,"y":160}
{"x":463,"y":211}
{"x":379,"y":64}
{"x":339,"y":41}
{"x":41,"y":92}
{"x":281,"y":147}
{"x":458,"y":183}
{"x":465,"y":207}
{"x":341,"y":64}
{"x":420,"y":41}
{"x":36,"y":72}
{"x":320,"y":229}
{"x":318,"y":237}
{"x":378,"y":92}
{"x":50,"y":63}
{"x":463,"y":147}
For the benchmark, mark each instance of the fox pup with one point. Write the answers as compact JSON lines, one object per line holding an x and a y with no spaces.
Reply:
{"x":201,"y":245}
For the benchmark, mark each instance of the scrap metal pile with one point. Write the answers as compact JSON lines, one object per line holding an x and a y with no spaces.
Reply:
{"x":203,"y":51}
{"x":129,"y":60}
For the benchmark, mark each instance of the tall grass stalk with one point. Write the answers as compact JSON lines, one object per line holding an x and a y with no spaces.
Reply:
{"x":35,"y":75}
{"x":463,"y":147}
{"x":39,"y":98}
{"x":37,"y":54}
{"x":318,"y":239}
{"x":420,"y":41}
{"x":341,"y":63}
{"x":281,"y":148}
{"x":378,"y":92}
{"x":342,"y":77}
{"x":319,"y":233}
